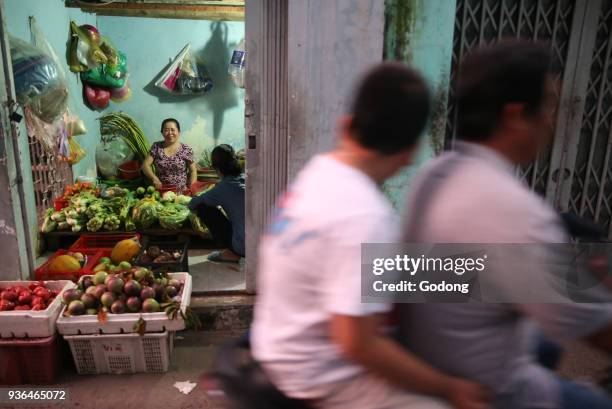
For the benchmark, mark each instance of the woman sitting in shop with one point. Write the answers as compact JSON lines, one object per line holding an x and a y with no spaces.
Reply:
{"x":173,"y":160}
{"x":227,"y":231}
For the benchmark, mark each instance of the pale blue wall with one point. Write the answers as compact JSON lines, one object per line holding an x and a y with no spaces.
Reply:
{"x":428,"y":48}
{"x":149,"y":45}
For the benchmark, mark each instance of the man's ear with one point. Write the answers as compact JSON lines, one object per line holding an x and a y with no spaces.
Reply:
{"x":344,"y":126}
{"x":513,"y":116}
{"x":344,"y":123}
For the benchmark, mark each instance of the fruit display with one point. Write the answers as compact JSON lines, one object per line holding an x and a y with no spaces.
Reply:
{"x":67,"y":263}
{"x":153,"y":254}
{"x":125,"y":290}
{"x":112,"y":209}
{"x":125,"y":250}
{"x":34,"y":296}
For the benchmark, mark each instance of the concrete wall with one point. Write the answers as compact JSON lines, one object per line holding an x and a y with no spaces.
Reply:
{"x":331,"y":44}
{"x":150,"y":44}
{"x":420,"y":32}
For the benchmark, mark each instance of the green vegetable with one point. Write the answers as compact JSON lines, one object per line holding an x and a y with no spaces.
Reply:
{"x":140,"y":191}
{"x":183,"y":199}
{"x":48,"y":224}
{"x":95,"y":224}
{"x":151,"y":189}
{"x":173,"y":216}
{"x":145,"y":212}
{"x":169,"y":196}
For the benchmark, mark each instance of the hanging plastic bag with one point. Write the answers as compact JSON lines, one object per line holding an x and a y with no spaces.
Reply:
{"x":237,"y":65}
{"x":47,"y":134}
{"x":107,"y":76}
{"x":97,"y":98}
{"x":84,"y":51}
{"x":38,"y":82}
{"x":121,"y":94}
{"x":77,"y":153}
{"x":186,"y":75}
{"x":74,"y":125}
{"x":110,"y":154}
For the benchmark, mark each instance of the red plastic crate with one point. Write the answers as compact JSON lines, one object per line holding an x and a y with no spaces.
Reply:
{"x":93,"y":256}
{"x":30,"y":360}
{"x":100,"y":242}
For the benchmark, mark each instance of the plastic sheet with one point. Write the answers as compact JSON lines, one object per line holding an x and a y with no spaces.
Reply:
{"x":38,"y":81}
{"x":186,"y":75}
{"x":110,"y":154}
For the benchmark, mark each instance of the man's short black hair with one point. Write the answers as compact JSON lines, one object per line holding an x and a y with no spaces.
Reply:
{"x":512,"y":71}
{"x":165,"y":121}
{"x":390,"y":109}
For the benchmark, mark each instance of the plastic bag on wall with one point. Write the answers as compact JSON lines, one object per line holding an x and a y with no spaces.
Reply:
{"x":38,"y":81}
{"x":84,"y":52}
{"x":47,"y":134}
{"x":107,"y":76}
{"x":77,"y":153}
{"x":111,"y":153}
{"x":186,"y":75}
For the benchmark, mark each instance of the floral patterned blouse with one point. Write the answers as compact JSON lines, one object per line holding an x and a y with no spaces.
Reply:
{"x":172,"y":170}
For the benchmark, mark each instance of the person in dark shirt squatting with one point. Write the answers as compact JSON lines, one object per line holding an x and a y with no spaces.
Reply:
{"x":227,"y":231}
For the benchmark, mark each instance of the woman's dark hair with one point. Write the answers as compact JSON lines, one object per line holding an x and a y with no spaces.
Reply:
{"x":512,"y":71}
{"x":224,"y":160}
{"x":165,"y":121}
{"x":390,"y":108}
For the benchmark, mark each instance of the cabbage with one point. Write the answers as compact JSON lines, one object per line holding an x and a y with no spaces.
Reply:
{"x":169,"y":196}
{"x":183,"y":199}
{"x":145,"y":213}
{"x":173,"y":216}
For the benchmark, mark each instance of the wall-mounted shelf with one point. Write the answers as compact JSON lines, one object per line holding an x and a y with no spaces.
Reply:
{"x":231,"y":10}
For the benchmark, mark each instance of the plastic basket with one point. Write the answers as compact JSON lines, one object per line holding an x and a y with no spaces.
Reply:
{"x":121,"y":353}
{"x":100,"y":242}
{"x":91,"y":260}
{"x":30,"y":361}
{"x":33,"y":324}
{"x":180,"y":265}
{"x":124,"y":323}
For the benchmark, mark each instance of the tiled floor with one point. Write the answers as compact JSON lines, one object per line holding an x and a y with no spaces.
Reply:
{"x":213,"y":276}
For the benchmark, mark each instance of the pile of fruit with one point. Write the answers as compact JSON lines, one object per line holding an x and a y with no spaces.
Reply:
{"x":116,"y":208}
{"x":129,"y":290}
{"x":154,"y":254}
{"x":117,"y":287}
{"x":67,"y":263}
{"x":35,"y":297}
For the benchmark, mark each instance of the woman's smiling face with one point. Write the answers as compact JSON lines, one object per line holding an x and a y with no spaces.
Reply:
{"x":170,"y":132}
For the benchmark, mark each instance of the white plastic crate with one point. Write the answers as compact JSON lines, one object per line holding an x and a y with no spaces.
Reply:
{"x":124,"y":323}
{"x":121,"y":353}
{"x":33,"y":324}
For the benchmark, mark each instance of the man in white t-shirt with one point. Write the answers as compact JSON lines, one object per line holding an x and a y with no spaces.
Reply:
{"x":472,"y":195}
{"x":312,"y":335}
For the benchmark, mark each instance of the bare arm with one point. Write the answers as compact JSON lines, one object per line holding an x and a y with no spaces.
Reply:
{"x":148,"y":171}
{"x":360,"y":341}
{"x":193,"y":174}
